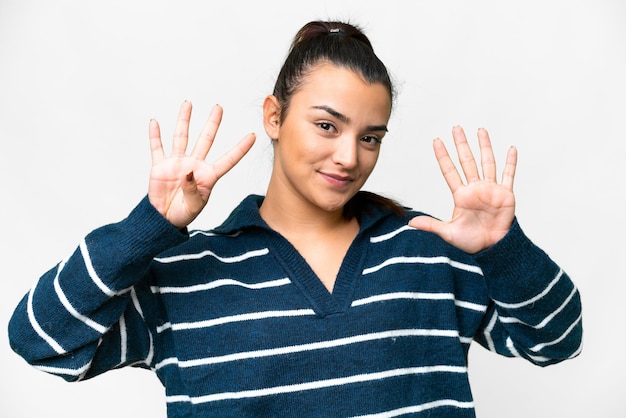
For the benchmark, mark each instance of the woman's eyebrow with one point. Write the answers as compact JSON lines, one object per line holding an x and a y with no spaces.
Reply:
{"x":333,"y":112}
{"x":346,"y":119}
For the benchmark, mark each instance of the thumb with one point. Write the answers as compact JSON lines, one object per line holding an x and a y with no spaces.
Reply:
{"x":194,"y":201}
{"x":189,"y":185}
{"x":427,"y":223}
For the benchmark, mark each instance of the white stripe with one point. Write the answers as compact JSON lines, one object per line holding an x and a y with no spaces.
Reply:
{"x":533,"y":299}
{"x":419,"y":296}
{"x":213,"y":234}
{"x":239,"y":318}
{"x":559,"y":309}
{"x":488,"y":329}
{"x":538,"y":359}
{"x":63,"y":370}
{"x":177,"y":398}
{"x":467,"y":267}
{"x":320,"y":384}
{"x":150,"y":355}
{"x":218,"y":283}
{"x":466,"y":340}
{"x":68,"y":306}
{"x":424,"y":260}
{"x":235,"y":259}
{"x":320,"y":345}
{"x":470,"y":305}
{"x":539,"y":347}
{"x":133,"y":297}
{"x":166,"y":362}
{"x":513,"y":350}
{"x":420,"y":408}
{"x":92,"y":272}
{"x":88,"y":365}
{"x":511,"y":347}
{"x":511,"y":320}
{"x":33,"y":321}
{"x":163,"y":327}
{"x":123,"y":339}
{"x":546,"y":320}
{"x":578,"y":351}
{"x":385,"y":237}
{"x":403,"y":295}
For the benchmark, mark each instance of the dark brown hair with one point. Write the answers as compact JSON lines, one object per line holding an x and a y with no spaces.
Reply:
{"x":344,"y":45}
{"x":338,"y":43}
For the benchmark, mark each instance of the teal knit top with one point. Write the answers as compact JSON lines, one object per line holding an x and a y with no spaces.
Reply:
{"x":235,"y":323}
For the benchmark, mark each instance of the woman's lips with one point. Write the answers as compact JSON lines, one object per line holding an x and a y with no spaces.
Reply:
{"x":336,"y":179}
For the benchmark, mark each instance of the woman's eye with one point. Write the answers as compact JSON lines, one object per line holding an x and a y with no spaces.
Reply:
{"x":371,"y":140}
{"x":326,"y":126}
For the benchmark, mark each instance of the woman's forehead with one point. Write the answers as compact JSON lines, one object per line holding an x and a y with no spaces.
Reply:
{"x":342,"y":89}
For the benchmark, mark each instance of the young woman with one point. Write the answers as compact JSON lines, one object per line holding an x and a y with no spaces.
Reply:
{"x":318,"y":299}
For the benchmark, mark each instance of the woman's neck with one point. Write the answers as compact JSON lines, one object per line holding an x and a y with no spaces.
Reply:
{"x":321,"y":237}
{"x":292,"y":215}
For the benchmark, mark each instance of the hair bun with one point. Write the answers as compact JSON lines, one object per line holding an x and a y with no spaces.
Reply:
{"x":319,"y":29}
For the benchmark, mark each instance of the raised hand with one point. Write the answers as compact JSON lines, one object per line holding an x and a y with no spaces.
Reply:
{"x":483,"y":209}
{"x":180,"y":185}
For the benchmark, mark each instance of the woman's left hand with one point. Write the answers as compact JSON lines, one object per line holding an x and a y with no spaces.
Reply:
{"x":483,"y":208}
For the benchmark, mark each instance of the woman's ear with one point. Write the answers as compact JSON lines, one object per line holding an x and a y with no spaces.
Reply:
{"x":271,"y":116}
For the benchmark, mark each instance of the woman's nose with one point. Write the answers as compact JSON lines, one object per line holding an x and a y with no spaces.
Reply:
{"x":346,"y":152}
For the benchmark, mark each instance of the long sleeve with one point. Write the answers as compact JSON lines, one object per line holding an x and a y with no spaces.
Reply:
{"x":223,"y":318}
{"x":536,"y":309}
{"x":86,"y":315}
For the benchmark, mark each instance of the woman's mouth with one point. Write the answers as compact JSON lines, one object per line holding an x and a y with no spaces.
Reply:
{"x":337,"y":180}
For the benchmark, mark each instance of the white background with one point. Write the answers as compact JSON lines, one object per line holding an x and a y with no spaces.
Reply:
{"x":80,"y":80}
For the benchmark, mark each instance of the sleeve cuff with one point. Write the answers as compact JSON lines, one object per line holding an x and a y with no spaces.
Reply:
{"x":132,"y":243}
{"x":515,"y":268}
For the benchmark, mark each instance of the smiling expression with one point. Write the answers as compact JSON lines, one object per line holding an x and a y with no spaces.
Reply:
{"x":329,"y":140}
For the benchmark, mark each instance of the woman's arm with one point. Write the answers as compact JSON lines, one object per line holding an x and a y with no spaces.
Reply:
{"x":535,"y":309}
{"x":94,"y":305}
{"x":89,"y":305}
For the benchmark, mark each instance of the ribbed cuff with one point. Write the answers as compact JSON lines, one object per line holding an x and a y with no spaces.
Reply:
{"x":131,"y":244}
{"x":515,"y":268}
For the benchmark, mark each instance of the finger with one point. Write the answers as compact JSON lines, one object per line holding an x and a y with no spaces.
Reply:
{"x":464,"y":152}
{"x":428,"y":224}
{"x":487,"y":159}
{"x":232,"y":157}
{"x":205,"y":141}
{"x":189,"y":185}
{"x":508,"y":175}
{"x":447,"y":167}
{"x":156,"y":147}
{"x":194,"y":203}
{"x":181,"y":132}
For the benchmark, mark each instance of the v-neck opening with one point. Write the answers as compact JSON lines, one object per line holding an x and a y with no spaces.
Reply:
{"x":324,"y":303}
{"x":302,"y":275}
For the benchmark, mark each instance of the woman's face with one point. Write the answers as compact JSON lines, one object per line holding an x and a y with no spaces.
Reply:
{"x":329,"y":141}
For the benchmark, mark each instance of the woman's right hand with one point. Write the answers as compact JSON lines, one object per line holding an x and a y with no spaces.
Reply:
{"x":180,"y":185}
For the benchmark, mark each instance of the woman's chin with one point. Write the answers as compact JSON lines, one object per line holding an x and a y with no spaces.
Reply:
{"x":334,"y":204}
